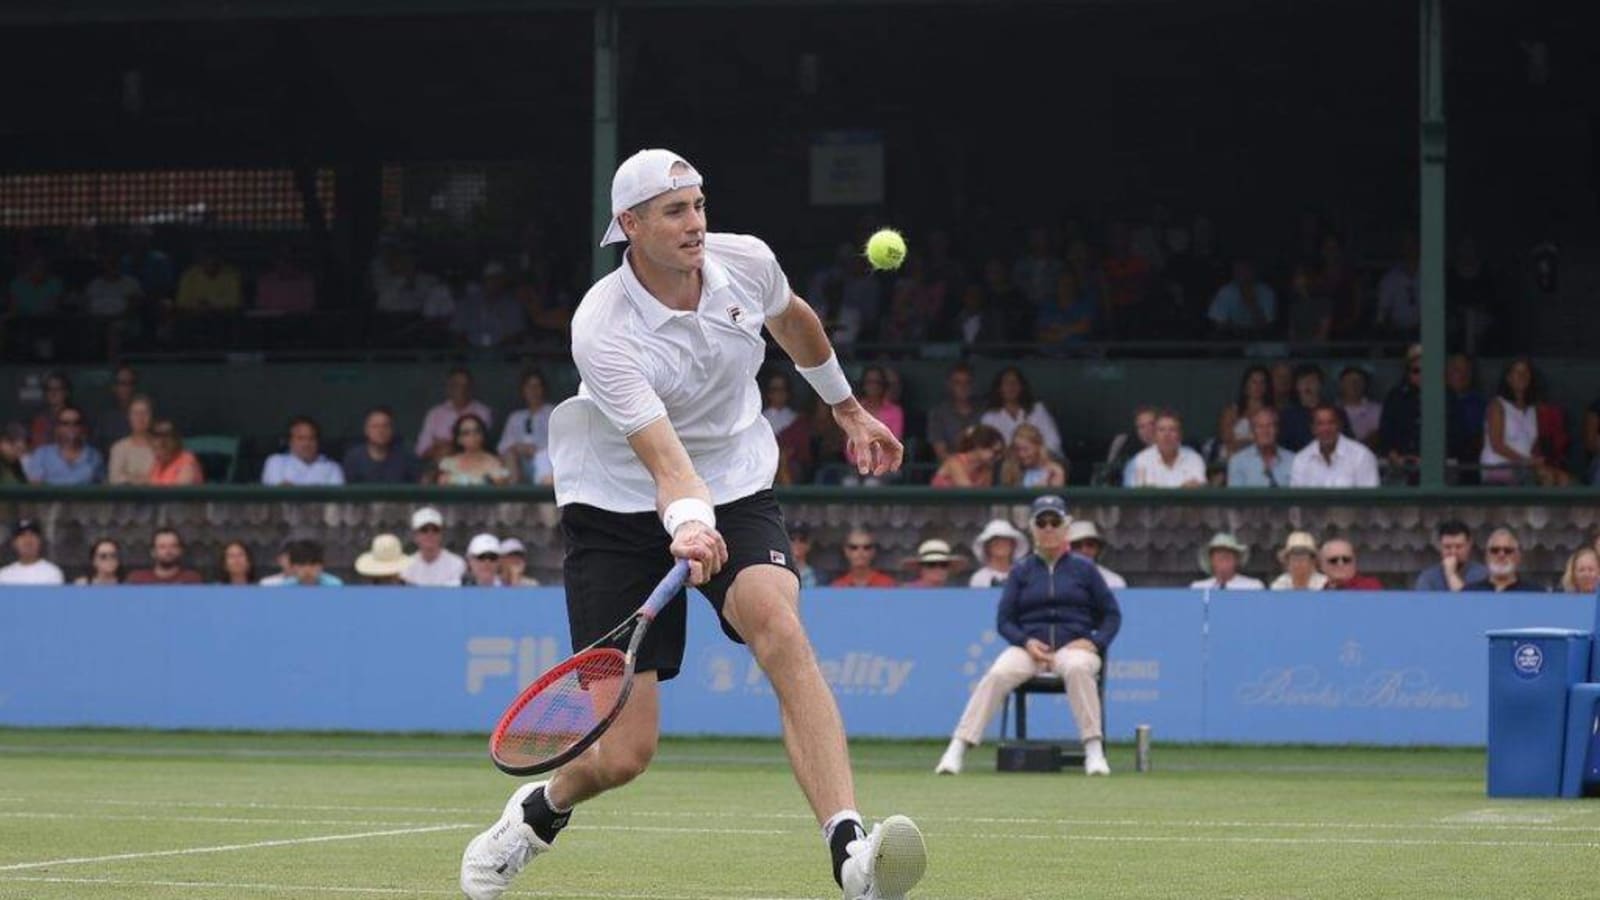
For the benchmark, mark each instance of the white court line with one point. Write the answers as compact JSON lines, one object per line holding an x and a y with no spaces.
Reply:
{"x":1293,"y":841}
{"x":367,"y":891}
{"x":225,"y":848}
{"x":207,"y":820}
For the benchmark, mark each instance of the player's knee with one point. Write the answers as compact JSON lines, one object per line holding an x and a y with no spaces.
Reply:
{"x":778,"y":633}
{"x":622,"y":764}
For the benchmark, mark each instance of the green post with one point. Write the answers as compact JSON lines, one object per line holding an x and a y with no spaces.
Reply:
{"x":604,"y":259}
{"x":1431,"y":268}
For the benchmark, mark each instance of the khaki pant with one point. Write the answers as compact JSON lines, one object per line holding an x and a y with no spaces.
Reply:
{"x":1076,"y":667}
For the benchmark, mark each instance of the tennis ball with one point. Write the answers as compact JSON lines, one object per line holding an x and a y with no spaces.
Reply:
{"x":886,"y":249}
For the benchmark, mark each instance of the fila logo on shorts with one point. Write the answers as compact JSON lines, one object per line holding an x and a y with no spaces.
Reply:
{"x":735,"y":313}
{"x":778,"y":559}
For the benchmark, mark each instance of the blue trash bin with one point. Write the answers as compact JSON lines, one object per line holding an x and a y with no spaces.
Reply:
{"x":1530,"y":672}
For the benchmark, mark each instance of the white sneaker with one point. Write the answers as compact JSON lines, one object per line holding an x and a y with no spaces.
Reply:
{"x":1096,"y":765}
{"x":498,"y":854}
{"x":886,"y":863}
{"x":950,"y":762}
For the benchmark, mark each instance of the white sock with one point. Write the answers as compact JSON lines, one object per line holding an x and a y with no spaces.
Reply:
{"x":839,"y":818}
{"x":1094,"y":748}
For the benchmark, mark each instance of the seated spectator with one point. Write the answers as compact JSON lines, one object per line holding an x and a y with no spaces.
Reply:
{"x":1294,"y":420}
{"x":235,"y":565}
{"x":112,"y":294}
{"x":1465,"y":412}
{"x":286,"y":287}
{"x":1234,"y":424}
{"x":306,"y":566}
{"x":1029,"y":464}
{"x":1264,"y":463}
{"x":1456,"y":568}
{"x":977,"y":321}
{"x":1221,"y":559}
{"x":70,"y":460}
{"x":30,"y":567}
{"x":35,"y":291}
{"x":166,"y":558}
{"x":1400,"y":425}
{"x":1123,"y":452}
{"x":1399,"y":311}
{"x":483,"y":561}
{"x":800,"y":554}
{"x":380,"y":459}
{"x":110,"y":424}
{"x":874,"y":398}
{"x":401,"y":288}
{"x":1068,"y":321}
{"x":1582,"y":573}
{"x":471,"y":465}
{"x":285,"y":573}
{"x":860,"y":551}
{"x":1282,"y":385}
{"x":790,"y":427}
{"x":151,"y":266}
{"x":1511,"y":431}
{"x":948,"y":420}
{"x":304,"y":463}
{"x":490,"y":314}
{"x":384,"y":562}
{"x":133,"y":456}
{"x":1084,"y":538}
{"x":436,"y":440}
{"x":432,"y":565}
{"x":1505,"y":558}
{"x":1168,"y":463}
{"x":525,"y":440}
{"x":1011,"y":404}
{"x":13,"y":450}
{"x":935,"y":564}
{"x":1338,"y":557}
{"x":1058,"y":616}
{"x":171,"y":465}
{"x":210,"y":285}
{"x":998,"y":546}
{"x":1333,"y":460}
{"x":1310,"y":314}
{"x":1360,"y":411}
{"x":57,"y":396}
{"x":1244,"y":306}
{"x":105,"y":564}
{"x":972,"y":464}
{"x":1299,"y":560}
{"x":514,"y":565}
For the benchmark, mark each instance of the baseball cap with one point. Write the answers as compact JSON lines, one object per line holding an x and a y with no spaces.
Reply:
{"x":26,"y":525}
{"x":483,"y":543}
{"x":1051,"y":503}
{"x":644,"y":175}
{"x":426,"y":516}
{"x":511,"y":546}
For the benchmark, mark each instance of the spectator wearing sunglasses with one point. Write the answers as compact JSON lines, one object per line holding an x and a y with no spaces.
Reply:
{"x":860,"y":552}
{"x":70,"y":459}
{"x":934,"y":563}
{"x":1338,"y":560}
{"x":432,"y":565}
{"x":472,"y":464}
{"x":1504,"y":552}
{"x":483,"y":562}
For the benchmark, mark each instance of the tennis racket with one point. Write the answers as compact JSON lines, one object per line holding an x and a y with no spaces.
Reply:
{"x":567,"y":708}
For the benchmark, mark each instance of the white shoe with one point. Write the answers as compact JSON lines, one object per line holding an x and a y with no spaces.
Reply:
{"x":1096,"y":765}
{"x":886,"y":863}
{"x":950,"y":762}
{"x":498,"y":854}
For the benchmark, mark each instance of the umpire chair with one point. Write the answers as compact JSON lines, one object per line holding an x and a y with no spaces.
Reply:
{"x":1018,"y":754}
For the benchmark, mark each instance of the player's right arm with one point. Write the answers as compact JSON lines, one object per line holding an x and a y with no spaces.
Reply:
{"x":681,"y":494}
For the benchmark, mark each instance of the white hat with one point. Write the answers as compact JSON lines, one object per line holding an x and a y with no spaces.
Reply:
{"x":426,"y":516}
{"x":386,"y":557}
{"x":1083,"y":530}
{"x":1223,"y":540}
{"x":1000,"y":528}
{"x":934,"y":551}
{"x":483,"y":543}
{"x":644,"y":175}
{"x":512,"y":545}
{"x":1298,"y":541}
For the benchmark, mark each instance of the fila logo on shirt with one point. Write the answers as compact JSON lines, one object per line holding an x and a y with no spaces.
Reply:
{"x":736,"y":312}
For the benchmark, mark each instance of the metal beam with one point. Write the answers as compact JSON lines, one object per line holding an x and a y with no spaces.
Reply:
{"x":1431,"y":266}
{"x":603,"y":259}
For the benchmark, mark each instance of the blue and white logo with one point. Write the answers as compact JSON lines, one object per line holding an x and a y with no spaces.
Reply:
{"x":1528,"y":660}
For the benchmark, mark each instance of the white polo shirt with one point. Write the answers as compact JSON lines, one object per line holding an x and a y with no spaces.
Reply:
{"x":445,"y":571}
{"x":1150,"y":470}
{"x":1352,"y":465}
{"x":640,"y":361}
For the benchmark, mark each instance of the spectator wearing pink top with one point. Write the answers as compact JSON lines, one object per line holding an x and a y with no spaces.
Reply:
{"x":436,"y":439}
{"x":286,"y":288}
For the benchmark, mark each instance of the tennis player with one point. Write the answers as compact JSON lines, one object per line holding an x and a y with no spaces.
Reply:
{"x":664,"y":454}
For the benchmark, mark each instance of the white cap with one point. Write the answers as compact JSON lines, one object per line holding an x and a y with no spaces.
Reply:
{"x":483,"y":543}
{"x":512,"y":545}
{"x":426,"y":516}
{"x":644,"y":175}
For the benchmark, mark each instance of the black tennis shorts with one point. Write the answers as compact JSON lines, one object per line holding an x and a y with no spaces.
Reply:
{"x":614,"y":560}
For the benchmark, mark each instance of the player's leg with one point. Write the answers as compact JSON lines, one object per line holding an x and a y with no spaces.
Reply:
{"x":620,"y":756}
{"x":1078,"y":669}
{"x":1012,"y":667}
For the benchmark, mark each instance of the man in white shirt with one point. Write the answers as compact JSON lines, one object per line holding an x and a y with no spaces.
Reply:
{"x":304,"y":464}
{"x":436,"y":439}
{"x":664,"y":455}
{"x":1332,"y":460}
{"x":1220,"y":559}
{"x":432,"y":565}
{"x":1168,"y":463}
{"x":1085,"y":540}
{"x":30,"y":568}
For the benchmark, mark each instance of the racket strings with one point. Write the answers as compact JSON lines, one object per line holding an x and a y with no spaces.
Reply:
{"x":564,"y":711}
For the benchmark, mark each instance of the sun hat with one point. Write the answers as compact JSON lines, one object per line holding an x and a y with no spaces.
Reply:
{"x":1000,"y":528}
{"x":387,"y":557}
{"x":644,"y":175}
{"x":1297,"y":541}
{"x":934,"y":551}
{"x":1222,"y":540}
{"x":1083,"y":530}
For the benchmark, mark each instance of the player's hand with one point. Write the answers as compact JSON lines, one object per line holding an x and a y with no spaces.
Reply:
{"x":703,"y":547}
{"x":1039,"y":650}
{"x":872,"y":445}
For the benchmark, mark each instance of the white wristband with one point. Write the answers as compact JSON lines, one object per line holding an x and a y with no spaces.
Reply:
{"x":688,"y":509}
{"x":828,"y":380}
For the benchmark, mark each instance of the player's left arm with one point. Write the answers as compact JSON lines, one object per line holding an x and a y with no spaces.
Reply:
{"x":801,"y":335}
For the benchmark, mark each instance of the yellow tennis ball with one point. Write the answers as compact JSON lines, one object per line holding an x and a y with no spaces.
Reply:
{"x":886,"y":249}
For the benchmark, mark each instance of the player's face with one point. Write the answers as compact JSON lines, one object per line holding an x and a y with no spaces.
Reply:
{"x":671,"y":230}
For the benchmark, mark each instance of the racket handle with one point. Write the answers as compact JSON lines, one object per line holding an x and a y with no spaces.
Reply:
{"x":667,"y":589}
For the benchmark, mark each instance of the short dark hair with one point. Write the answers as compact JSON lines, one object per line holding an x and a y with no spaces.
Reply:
{"x":305,"y":552}
{"x":375,"y":410}
{"x":1454,"y":526}
{"x":304,"y":420}
{"x":166,"y":529}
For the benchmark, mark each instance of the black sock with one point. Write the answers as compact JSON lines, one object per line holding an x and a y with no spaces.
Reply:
{"x":843,"y":834}
{"x":545,"y":822}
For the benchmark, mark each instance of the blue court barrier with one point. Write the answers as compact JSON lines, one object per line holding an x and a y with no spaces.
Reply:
{"x":1389,"y":668}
